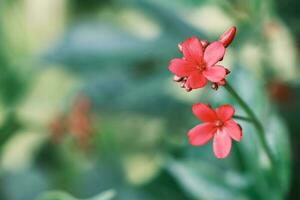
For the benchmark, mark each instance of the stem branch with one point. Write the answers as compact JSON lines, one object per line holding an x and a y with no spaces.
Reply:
{"x":254,"y":120}
{"x":238,"y":117}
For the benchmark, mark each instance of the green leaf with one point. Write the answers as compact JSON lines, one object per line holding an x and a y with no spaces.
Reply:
{"x":94,"y":45}
{"x":60,"y":195}
{"x":202,"y":180}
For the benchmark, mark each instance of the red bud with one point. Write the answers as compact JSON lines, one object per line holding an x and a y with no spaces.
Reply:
{"x":227,"y":37}
{"x":182,"y":84}
{"x":188,"y":89}
{"x":177,"y":78}
{"x":227,"y":71}
{"x":204,"y":43}
{"x":180,"y":47}
{"x":214,"y":86}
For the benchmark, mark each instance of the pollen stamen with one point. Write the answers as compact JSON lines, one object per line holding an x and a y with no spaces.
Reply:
{"x":219,"y":123}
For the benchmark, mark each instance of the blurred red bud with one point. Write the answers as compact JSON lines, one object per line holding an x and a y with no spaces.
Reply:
{"x":280,"y":92}
{"x":214,"y":86}
{"x":57,"y":128}
{"x":188,"y":89}
{"x":204,"y":43}
{"x":227,"y":71}
{"x":177,"y":78}
{"x":180,"y":47}
{"x":227,"y":37}
{"x":182,"y":84}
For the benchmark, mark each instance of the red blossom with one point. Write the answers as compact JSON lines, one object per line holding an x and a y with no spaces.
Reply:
{"x":57,"y":128}
{"x":80,"y":122}
{"x":199,"y":62}
{"x":280,"y":91}
{"x":218,"y":124}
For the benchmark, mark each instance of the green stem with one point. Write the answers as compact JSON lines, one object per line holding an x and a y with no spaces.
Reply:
{"x":238,"y":117}
{"x":255,"y":121}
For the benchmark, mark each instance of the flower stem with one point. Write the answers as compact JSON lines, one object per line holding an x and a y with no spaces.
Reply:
{"x":238,"y":117}
{"x":254,"y":120}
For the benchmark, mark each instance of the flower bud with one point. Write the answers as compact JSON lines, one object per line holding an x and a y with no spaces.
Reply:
{"x":177,"y":78}
{"x":180,"y":47}
{"x":182,"y":84}
{"x":227,"y":37}
{"x":204,"y":43}
{"x":227,"y":71}
{"x":187,"y":88}
{"x":214,"y":86}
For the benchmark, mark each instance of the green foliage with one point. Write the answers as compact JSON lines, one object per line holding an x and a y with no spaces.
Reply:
{"x":57,"y":195}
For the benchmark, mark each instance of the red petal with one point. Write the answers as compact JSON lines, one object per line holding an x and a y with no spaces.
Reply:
{"x":233,"y":129}
{"x":227,"y":37}
{"x":214,"y":53}
{"x":196,"y":80}
{"x":221,"y":144}
{"x":215,"y":73}
{"x":201,"y":134}
{"x":180,"y":67}
{"x":192,"y":49}
{"x":204,"y":112}
{"x":225,"y":112}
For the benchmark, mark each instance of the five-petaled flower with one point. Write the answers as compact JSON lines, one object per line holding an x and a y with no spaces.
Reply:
{"x":218,"y":124}
{"x":198,"y":64}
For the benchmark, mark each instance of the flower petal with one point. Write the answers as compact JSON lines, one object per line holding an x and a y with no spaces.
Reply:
{"x":192,"y":49}
{"x":214,"y":53}
{"x":215,"y":73}
{"x":225,"y":112}
{"x":180,"y":67}
{"x":233,"y":129}
{"x":204,"y":112}
{"x":201,"y":134}
{"x":221,"y":144}
{"x":196,"y":80}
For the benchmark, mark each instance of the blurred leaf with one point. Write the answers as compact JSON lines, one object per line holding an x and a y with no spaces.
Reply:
{"x":46,"y":97}
{"x":96,"y":44}
{"x":9,"y":127}
{"x":24,"y":185}
{"x":59,"y":195}
{"x":278,"y":135}
{"x":164,"y":187}
{"x":21,"y":158}
{"x":166,"y":14}
{"x":203,"y":181}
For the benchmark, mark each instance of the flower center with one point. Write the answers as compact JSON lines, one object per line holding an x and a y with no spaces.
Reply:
{"x":201,"y":67}
{"x":219,"y":123}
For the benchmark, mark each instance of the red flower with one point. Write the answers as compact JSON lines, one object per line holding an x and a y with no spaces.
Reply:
{"x":198,"y":64}
{"x":219,"y":125}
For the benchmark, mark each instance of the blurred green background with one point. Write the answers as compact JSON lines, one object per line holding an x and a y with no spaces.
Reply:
{"x":88,"y":109}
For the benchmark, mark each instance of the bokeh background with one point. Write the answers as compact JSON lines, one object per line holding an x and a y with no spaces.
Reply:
{"x":88,"y":109}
